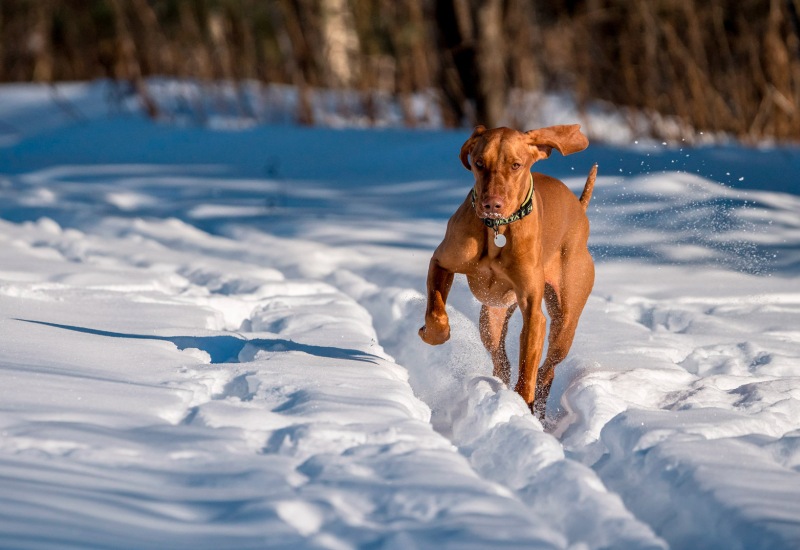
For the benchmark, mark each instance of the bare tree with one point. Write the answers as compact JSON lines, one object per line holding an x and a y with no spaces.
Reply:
{"x":476,"y":52}
{"x":715,"y":65}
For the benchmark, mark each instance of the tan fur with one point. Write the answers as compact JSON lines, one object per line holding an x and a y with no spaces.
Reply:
{"x":545,"y":258}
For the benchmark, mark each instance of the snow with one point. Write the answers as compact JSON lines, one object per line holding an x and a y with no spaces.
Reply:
{"x":209,"y":340}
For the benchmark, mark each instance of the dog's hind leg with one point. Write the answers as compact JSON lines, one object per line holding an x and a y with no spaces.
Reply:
{"x":493,"y":327}
{"x":565,"y":309}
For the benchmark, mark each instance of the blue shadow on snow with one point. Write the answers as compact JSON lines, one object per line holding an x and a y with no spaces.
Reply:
{"x":226,"y":348}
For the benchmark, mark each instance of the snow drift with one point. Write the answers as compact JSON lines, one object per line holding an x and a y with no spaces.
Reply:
{"x":209,"y":340}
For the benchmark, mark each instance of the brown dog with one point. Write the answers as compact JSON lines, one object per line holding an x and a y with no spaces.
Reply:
{"x":519,"y":238}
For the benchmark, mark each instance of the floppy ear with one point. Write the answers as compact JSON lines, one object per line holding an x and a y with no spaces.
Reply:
{"x":466,"y":149}
{"x":567,"y":139}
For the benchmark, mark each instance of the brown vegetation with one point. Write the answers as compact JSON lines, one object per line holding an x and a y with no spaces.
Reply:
{"x":716,"y":65}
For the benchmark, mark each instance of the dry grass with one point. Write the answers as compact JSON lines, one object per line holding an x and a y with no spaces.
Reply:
{"x":728,"y":66}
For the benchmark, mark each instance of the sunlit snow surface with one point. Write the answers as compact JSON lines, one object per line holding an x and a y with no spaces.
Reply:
{"x":209,"y":341}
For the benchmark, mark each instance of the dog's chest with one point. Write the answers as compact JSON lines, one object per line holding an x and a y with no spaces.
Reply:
{"x":490,"y":283}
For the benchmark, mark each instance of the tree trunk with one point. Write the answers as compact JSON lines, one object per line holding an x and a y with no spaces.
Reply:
{"x":490,"y":57}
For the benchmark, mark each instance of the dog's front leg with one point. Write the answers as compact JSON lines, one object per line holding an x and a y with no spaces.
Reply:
{"x":436,"y":329}
{"x":531,"y":342}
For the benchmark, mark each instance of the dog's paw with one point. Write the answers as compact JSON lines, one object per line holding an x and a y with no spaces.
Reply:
{"x":539,"y":404}
{"x":434,"y":337}
{"x":538,"y":409}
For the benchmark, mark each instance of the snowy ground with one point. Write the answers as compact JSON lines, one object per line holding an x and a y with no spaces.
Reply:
{"x":209,"y":341}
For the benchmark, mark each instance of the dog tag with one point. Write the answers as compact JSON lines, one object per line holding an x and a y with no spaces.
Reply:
{"x":499,"y":240}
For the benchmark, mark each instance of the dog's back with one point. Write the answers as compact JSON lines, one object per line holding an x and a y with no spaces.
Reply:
{"x":564,"y":221}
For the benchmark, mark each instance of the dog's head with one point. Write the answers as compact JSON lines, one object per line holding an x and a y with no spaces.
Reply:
{"x":501,"y":161}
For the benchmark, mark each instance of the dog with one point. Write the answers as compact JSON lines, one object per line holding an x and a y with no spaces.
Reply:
{"x":520,"y":238}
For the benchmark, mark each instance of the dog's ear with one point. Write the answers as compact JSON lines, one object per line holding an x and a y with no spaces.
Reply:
{"x":567,"y":139}
{"x":466,"y":149}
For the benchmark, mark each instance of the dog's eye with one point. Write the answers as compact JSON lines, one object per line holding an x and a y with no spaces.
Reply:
{"x":516,"y":166}
{"x":479,"y":163}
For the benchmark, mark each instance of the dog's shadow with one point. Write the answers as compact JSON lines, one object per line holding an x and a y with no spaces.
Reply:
{"x":226,"y":348}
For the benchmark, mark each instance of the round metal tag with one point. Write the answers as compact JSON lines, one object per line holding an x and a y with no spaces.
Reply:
{"x":500,"y":240}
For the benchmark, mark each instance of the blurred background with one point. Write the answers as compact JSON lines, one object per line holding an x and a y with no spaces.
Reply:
{"x":676,"y":68}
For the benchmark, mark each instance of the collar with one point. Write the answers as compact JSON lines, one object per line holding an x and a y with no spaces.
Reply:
{"x":524,"y":210}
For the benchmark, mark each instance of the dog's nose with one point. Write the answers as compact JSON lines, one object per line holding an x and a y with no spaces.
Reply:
{"x":492,"y":204}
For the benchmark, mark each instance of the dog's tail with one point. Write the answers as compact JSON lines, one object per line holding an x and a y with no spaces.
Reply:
{"x":586,"y":196}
